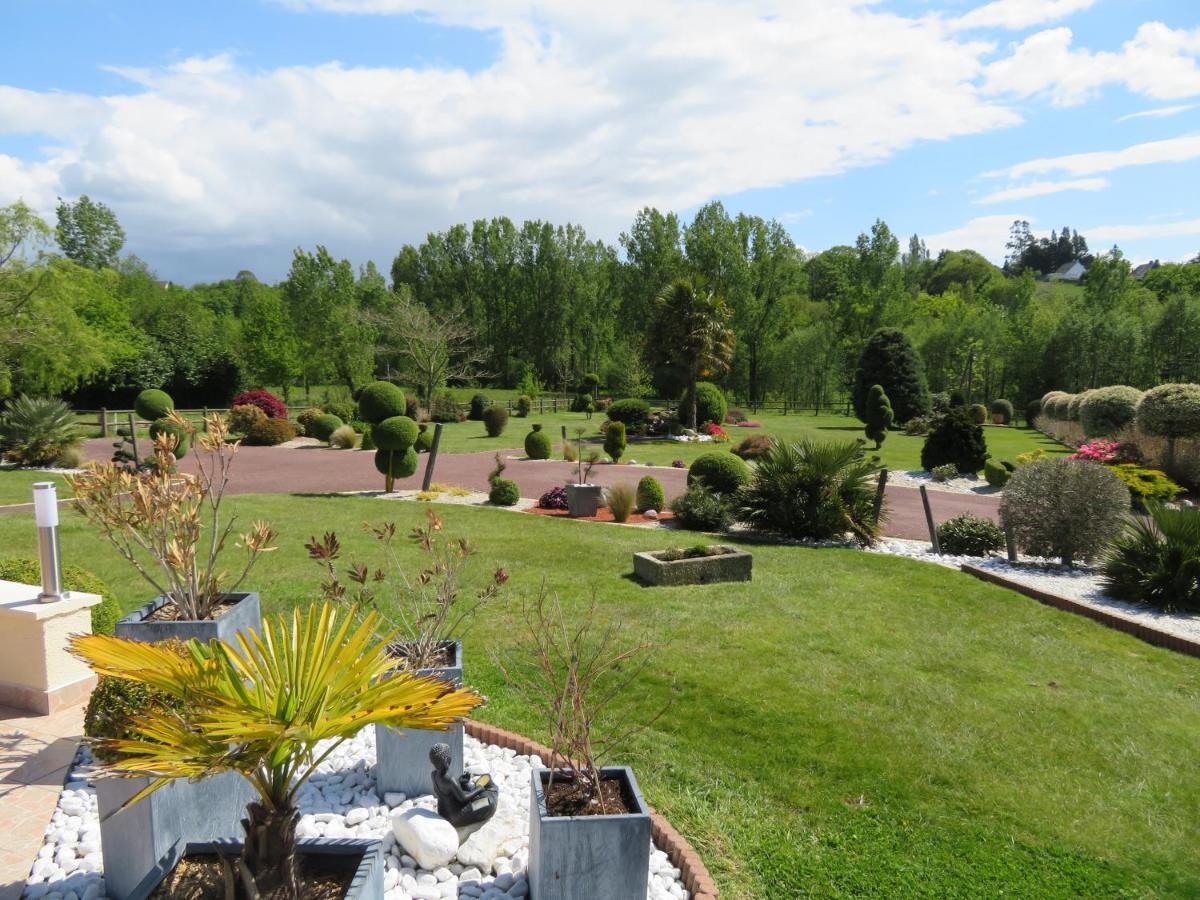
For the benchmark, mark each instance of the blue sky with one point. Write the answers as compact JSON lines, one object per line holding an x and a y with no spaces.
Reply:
{"x":228,"y":133}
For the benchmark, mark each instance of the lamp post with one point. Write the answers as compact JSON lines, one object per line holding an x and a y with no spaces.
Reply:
{"x":45,"y":512}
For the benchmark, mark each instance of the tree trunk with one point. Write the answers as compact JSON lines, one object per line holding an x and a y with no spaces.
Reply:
{"x":693,"y":401}
{"x":270,"y":851}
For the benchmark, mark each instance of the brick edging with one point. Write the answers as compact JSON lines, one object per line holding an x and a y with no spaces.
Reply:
{"x":1146,"y":633}
{"x":692,"y":870}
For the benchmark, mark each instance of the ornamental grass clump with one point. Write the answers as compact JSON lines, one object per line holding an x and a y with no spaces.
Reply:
{"x":262,"y":707}
{"x":621,"y":499}
{"x":1156,"y":560}
{"x":170,"y":526}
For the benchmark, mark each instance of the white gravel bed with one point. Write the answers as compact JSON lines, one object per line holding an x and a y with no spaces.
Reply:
{"x":474,"y":498}
{"x":340,"y":801}
{"x":299,"y":443}
{"x":963,"y":484}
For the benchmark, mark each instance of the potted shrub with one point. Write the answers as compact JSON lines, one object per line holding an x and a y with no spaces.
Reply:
{"x":583,"y":498}
{"x":431,"y":610}
{"x":258,"y":710}
{"x":589,"y":828}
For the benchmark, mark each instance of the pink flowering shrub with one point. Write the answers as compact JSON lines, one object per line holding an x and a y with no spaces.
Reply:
{"x":716,"y":432}
{"x":272,"y":406}
{"x":1106,"y":450}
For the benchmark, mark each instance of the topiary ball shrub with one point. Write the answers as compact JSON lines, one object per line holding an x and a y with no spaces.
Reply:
{"x":555,"y":498}
{"x":272,"y":406}
{"x":1065,"y":508}
{"x":395,"y":433}
{"x":504,"y":492}
{"x":879,"y":416}
{"x":524,"y":405}
{"x":701,"y":509}
{"x":538,"y":444}
{"x":495,"y":418}
{"x":589,"y":383}
{"x":1050,"y":404}
{"x":978,"y":413}
{"x":183,"y":437}
{"x":242,"y":418}
{"x":581,"y":403}
{"x":381,"y":400}
{"x":479,"y":403}
{"x":153,"y":404}
{"x":955,"y":439}
{"x":270,"y":433}
{"x":1003,"y":409}
{"x":324,"y":425}
{"x":1105,"y":411}
{"x":1170,"y":411}
{"x":650,"y":494}
{"x":970,"y":535}
{"x":25,"y":570}
{"x":711,"y":405}
{"x":721,"y":472}
{"x":632,"y":412}
{"x":397,"y":464}
{"x":1033,"y":411}
{"x":998,"y":472}
{"x":424,"y":441}
{"x":614,"y":440}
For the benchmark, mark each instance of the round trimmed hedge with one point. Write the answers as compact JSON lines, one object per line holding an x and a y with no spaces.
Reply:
{"x":323,"y":426}
{"x":1073,"y":406}
{"x":538,"y":444}
{"x":394,"y":433}
{"x":721,"y":472}
{"x":1050,"y":404}
{"x":25,"y":570}
{"x":632,"y":411}
{"x":1107,"y":410}
{"x":650,"y":494}
{"x":403,"y":463}
{"x":381,"y":400}
{"x":978,"y":413}
{"x":710,"y":404}
{"x":183,"y":438}
{"x":504,"y":492}
{"x":1170,"y":410}
{"x":153,"y":404}
{"x":1003,"y":409}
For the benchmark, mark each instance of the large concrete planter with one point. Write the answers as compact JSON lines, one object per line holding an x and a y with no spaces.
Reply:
{"x":598,"y":857}
{"x":734,"y":566}
{"x":367,"y":883}
{"x":583,"y":500}
{"x":243,"y":617}
{"x":403,"y":764}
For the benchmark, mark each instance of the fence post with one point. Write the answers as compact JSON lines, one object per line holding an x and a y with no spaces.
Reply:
{"x":1011,"y":541}
{"x":204,"y":419}
{"x":103,"y":422}
{"x":133,"y":439}
{"x":933,"y":538}
{"x":883,"y":476}
{"x":433,"y":452}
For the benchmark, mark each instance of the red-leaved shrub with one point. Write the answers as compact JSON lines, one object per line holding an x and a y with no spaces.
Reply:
{"x":264,"y":400}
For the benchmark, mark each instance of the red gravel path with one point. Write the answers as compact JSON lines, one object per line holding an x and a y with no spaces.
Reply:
{"x":269,"y":470}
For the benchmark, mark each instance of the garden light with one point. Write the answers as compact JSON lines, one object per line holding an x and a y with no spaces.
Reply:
{"x":45,"y":512}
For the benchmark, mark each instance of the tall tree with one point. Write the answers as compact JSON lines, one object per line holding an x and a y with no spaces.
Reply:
{"x":434,"y":348}
{"x":88,"y":233}
{"x":691,"y":333}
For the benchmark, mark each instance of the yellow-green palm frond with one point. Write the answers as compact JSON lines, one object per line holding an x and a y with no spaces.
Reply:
{"x":175,"y":668}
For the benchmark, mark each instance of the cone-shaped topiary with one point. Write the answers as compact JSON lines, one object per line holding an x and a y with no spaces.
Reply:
{"x":721,"y":472}
{"x":614,"y":440}
{"x":955,"y":439}
{"x":153,"y":404}
{"x":890,"y":360}
{"x":367,"y":442}
{"x":381,"y":400}
{"x":324,"y":425}
{"x":879,"y":416}
{"x":395,"y":433}
{"x":538,"y":444}
{"x":650,"y":494}
{"x":183,"y":439}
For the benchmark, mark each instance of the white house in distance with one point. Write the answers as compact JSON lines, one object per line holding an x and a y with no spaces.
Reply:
{"x":1072,"y":271}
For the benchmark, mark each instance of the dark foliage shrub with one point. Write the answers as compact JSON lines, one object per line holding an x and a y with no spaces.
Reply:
{"x":582,"y":403}
{"x":272,"y":406}
{"x":396,"y":433}
{"x":1003,"y":409}
{"x":424,"y":441}
{"x":720,"y":471}
{"x":495,"y":418}
{"x":997,"y":472}
{"x":711,"y":405}
{"x":183,"y":437}
{"x":242,"y":418}
{"x":1156,"y":560}
{"x":978,"y":413}
{"x":153,"y":405}
{"x":650,"y":494}
{"x":955,"y":438}
{"x":589,"y":383}
{"x":524,"y":405}
{"x":479,"y":402}
{"x":305,"y":419}
{"x":538,"y":444}
{"x":555,"y":498}
{"x":26,"y":570}
{"x":443,"y":408}
{"x":890,"y":360}
{"x":678,"y":464}
{"x":939,"y":402}
{"x":397,"y":463}
{"x":753,"y":446}
{"x":324,"y":425}
{"x":634,"y":413}
{"x":879,"y":416}
{"x":1050,"y":404}
{"x":381,"y":400}
{"x":114,"y":704}
{"x":970,"y":535}
{"x":614,"y":440}
{"x":37,"y":431}
{"x":1065,"y":508}
{"x":1146,"y":484}
{"x":1170,"y":411}
{"x":957,"y":399}
{"x":735,"y":416}
{"x":346,"y":410}
{"x":701,"y":509}
{"x":1033,"y":409}
{"x":504,"y":492}
{"x":270,"y":433}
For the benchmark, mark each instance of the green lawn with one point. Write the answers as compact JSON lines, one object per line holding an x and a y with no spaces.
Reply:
{"x":16,"y":485}
{"x":845,"y":724}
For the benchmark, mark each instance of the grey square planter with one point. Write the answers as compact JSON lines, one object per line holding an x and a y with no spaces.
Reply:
{"x":402,"y":755}
{"x":367,"y":883}
{"x":735,"y":566}
{"x":598,"y":857}
{"x":245,"y":616}
{"x":583,"y":499}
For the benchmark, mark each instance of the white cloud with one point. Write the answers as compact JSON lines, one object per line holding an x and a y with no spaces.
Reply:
{"x":1016,"y":14}
{"x":1171,"y":150}
{"x":587,"y":113}
{"x":1116,"y":233}
{"x":1042,"y":188}
{"x":1159,"y":62}
{"x":984,"y":234}
{"x":1161,"y":112}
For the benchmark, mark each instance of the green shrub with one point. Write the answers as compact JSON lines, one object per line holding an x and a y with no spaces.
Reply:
{"x":345,"y":438}
{"x":324,"y":425}
{"x":424,"y":441}
{"x":524,"y":405}
{"x":153,"y":404}
{"x":589,"y":383}
{"x":998,"y":472}
{"x":396,"y":463}
{"x":1073,"y":407}
{"x":978,"y":413}
{"x":504,"y":492}
{"x":813,"y":491}
{"x":1033,"y":410}
{"x":443,"y":408}
{"x":538,"y":444}
{"x":396,"y":433}
{"x":25,"y":570}
{"x":242,"y":418}
{"x":34,"y":431}
{"x":720,"y":471}
{"x":270,"y":433}
{"x":367,"y":442}
{"x":918,"y":425}
{"x":957,"y":399}
{"x":970,"y":535}
{"x":955,"y":439}
{"x":944,"y":473}
{"x":1003,"y":409}
{"x":890,"y":360}
{"x":701,"y":509}
{"x":1170,"y":411}
{"x":1146,"y":484}
{"x":182,"y":435}
{"x":620,"y":500}
{"x":305,"y":419}
{"x":650,"y":494}
{"x":581,"y":403}
{"x":346,"y":410}
{"x":1107,"y":410}
{"x":380,"y":400}
{"x":632,"y":412}
{"x":614,"y":440}
{"x":495,"y":418}
{"x":752,"y":447}
{"x":113,"y":705}
{"x":1066,"y":508}
{"x":479,"y":402}
{"x":710,"y":404}
{"x":1156,"y":561}
{"x":879,"y":416}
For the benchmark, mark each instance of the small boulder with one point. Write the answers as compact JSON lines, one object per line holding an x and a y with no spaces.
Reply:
{"x":425,"y":836}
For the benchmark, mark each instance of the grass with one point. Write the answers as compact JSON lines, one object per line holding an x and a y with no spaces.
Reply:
{"x":16,"y":485}
{"x":844,"y":724}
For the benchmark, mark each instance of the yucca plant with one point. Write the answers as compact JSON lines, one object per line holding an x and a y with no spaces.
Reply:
{"x":812,"y":490}
{"x":1156,"y":560}
{"x":34,"y":431}
{"x":271,"y":708}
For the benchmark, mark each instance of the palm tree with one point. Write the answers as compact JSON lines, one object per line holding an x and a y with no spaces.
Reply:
{"x":260,"y":709}
{"x":692,"y":333}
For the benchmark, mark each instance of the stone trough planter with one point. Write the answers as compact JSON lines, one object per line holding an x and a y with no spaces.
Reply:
{"x":729,"y":565}
{"x":241,"y":617}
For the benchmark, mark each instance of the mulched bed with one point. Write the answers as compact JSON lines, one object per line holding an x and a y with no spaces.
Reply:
{"x":604,"y":515}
